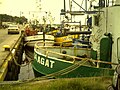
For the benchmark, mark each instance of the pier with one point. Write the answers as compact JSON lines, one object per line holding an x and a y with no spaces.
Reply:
{"x":11,"y":51}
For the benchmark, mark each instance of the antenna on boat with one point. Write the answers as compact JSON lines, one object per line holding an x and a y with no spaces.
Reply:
{"x":64,"y":6}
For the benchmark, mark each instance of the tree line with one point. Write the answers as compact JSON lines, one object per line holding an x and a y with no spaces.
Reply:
{"x":14,"y":19}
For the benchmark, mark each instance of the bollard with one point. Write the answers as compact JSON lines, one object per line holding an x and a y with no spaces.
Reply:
{"x":6,"y":47}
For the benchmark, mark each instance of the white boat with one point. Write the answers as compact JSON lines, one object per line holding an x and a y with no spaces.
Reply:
{"x":31,"y":40}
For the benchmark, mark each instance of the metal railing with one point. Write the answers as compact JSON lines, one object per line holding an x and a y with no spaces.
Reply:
{"x":43,"y":48}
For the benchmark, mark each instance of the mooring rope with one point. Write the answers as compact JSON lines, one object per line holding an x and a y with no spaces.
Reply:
{"x":17,"y":62}
{"x":66,"y":70}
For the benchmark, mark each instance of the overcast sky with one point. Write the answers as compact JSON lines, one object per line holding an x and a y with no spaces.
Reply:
{"x":14,"y":7}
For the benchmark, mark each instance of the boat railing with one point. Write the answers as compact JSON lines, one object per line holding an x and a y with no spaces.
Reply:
{"x":74,"y":58}
{"x":62,"y":44}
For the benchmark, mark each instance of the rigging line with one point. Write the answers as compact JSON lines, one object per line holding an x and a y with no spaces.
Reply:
{"x":66,"y":70}
{"x":70,"y":5}
{"x":79,"y":5}
{"x":106,"y":19}
{"x":77,"y":65}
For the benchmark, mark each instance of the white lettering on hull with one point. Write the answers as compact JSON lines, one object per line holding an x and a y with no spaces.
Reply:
{"x":39,"y":61}
{"x":52,"y":62}
{"x":42,"y":61}
{"x":46,"y":62}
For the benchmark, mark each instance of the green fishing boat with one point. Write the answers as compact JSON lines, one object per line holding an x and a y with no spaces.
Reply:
{"x":98,"y":60}
{"x":68,"y":62}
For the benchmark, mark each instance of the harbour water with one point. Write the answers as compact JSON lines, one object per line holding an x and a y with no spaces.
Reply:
{"x":26,"y":72}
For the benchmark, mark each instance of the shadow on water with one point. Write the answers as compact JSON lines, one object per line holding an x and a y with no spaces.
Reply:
{"x":26,"y":72}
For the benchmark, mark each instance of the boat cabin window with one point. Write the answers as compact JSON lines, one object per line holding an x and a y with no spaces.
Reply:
{"x":96,"y":20}
{"x":118,"y":48}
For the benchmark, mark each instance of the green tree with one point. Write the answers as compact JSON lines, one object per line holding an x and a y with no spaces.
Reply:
{"x":15,"y":19}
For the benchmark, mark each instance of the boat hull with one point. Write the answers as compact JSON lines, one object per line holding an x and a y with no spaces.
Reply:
{"x":56,"y":67}
{"x":65,"y":40}
{"x":38,"y":37}
{"x":31,"y":40}
{"x":42,"y":43}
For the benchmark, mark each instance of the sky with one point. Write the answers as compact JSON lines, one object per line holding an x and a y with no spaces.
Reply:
{"x":30,"y":8}
{"x":14,"y":7}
